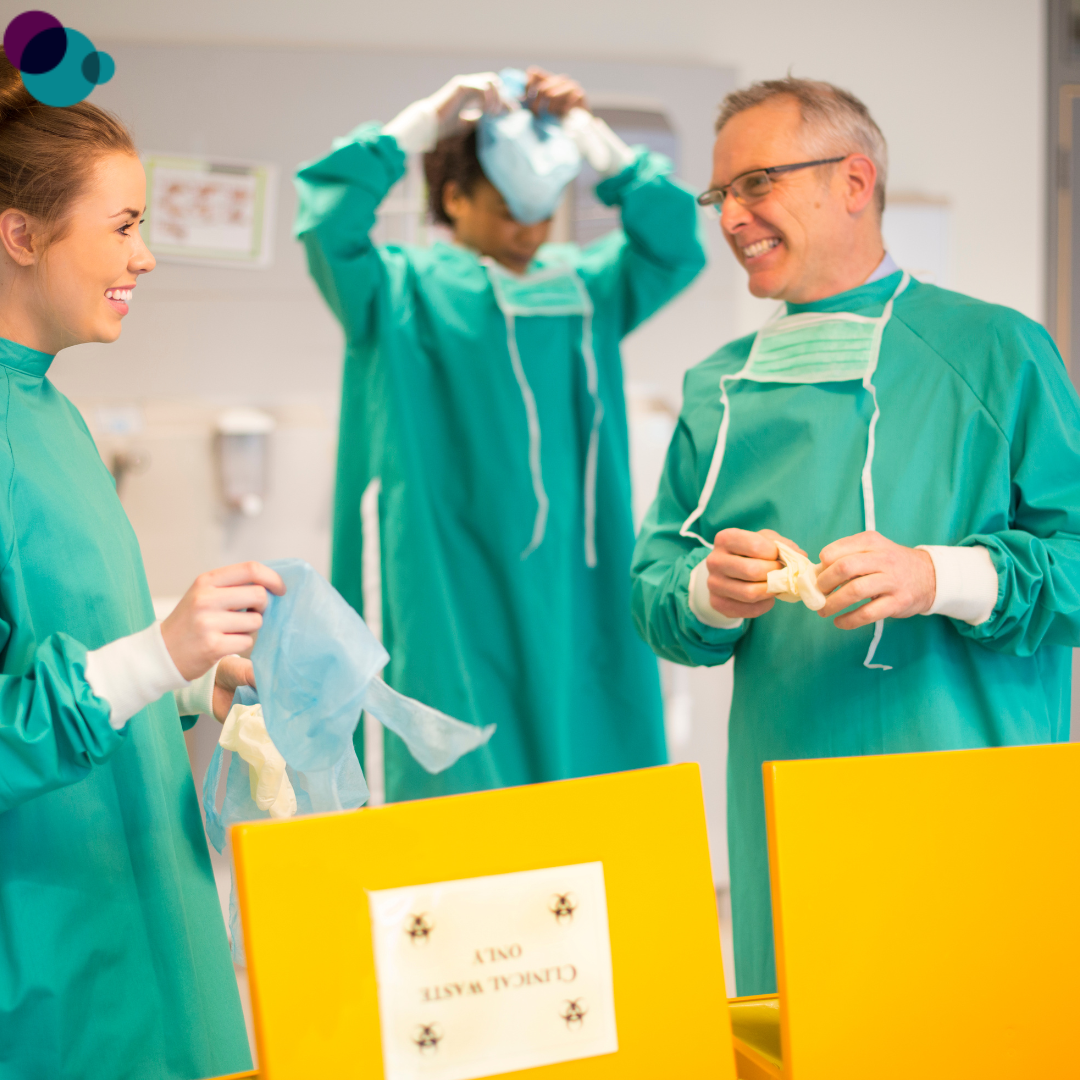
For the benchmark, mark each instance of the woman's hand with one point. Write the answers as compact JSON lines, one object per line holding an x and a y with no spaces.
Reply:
{"x":220,"y":614}
{"x":232,"y":673}
{"x":556,"y":94}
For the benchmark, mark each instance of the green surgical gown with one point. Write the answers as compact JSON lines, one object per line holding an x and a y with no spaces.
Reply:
{"x":114,"y":963}
{"x":543,"y":646}
{"x":978,"y":443}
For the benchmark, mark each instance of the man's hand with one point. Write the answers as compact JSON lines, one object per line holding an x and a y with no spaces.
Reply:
{"x":897,"y":581}
{"x":232,"y":673}
{"x":555,"y":94}
{"x":739,"y":566}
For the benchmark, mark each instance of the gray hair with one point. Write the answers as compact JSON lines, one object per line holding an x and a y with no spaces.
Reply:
{"x":834,"y":121}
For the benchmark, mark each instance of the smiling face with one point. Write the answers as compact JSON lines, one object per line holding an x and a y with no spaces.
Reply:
{"x":85,"y":278}
{"x":483,"y":222}
{"x":72,"y":283}
{"x":816,"y":233}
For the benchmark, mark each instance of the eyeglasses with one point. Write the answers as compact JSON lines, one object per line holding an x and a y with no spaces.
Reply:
{"x":752,"y":186}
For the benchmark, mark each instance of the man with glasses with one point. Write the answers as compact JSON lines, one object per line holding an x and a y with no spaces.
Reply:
{"x":924,"y":446}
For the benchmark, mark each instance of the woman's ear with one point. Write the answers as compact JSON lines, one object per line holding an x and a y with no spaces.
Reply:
{"x":17,"y":235}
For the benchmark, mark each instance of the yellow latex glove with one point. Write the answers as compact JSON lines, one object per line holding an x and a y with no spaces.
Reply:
{"x":797,"y":580}
{"x":244,"y":732}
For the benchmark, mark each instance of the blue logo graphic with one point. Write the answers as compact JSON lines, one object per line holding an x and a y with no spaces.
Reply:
{"x":59,"y":65}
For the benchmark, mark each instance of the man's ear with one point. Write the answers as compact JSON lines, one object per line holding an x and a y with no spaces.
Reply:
{"x":452,"y":198}
{"x":18,"y":235}
{"x":860,"y":176}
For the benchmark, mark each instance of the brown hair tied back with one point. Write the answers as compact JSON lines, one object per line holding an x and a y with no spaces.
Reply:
{"x":47,"y":154}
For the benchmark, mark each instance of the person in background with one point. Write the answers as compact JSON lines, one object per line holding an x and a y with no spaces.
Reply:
{"x":483,"y":490}
{"x":113,"y":957}
{"x":925,"y":443}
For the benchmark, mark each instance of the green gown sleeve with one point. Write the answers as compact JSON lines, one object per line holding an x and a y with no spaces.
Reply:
{"x":658,"y":251}
{"x":662,"y":564}
{"x":1036,"y":552}
{"x":339,"y":195}
{"x":53,"y":729}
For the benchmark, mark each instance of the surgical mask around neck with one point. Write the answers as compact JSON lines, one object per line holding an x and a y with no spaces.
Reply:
{"x":814,"y":347}
{"x":811,"y":347}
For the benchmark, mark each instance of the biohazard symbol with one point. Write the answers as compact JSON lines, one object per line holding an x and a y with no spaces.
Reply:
{"x":419,"y":929}
{"x":428,"y":1037}
{"x":574,"y":1013}
{"x":563,"y":906}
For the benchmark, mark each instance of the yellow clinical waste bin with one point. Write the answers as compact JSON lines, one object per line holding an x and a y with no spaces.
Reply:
{"x":305,"y":884}
{"x":925,"y":917}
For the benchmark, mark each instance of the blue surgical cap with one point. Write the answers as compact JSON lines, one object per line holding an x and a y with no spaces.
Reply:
{"x":528,"y":157}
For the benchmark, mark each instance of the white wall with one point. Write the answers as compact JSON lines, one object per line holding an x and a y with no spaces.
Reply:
{"x":957,"y":85}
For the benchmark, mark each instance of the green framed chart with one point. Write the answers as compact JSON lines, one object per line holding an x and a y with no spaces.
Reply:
{"x":209,"y":211}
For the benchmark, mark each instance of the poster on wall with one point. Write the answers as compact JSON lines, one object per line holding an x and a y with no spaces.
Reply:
{"x":209,"y":212}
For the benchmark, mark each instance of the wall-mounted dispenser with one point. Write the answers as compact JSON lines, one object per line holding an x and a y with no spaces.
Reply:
{"x":243,"y":445}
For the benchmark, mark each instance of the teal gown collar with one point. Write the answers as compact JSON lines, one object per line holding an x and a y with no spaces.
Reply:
{"x":22,"y":358}
{"x":872,"y":294}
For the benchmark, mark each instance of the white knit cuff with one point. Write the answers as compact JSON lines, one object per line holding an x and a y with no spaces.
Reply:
{"x":967,"y":582}
{"x":416,"y":127}
{"x":702,"y":610}
{"x":197,"y":697}
{"x":132,"y":672}
{"x":599,"y":145}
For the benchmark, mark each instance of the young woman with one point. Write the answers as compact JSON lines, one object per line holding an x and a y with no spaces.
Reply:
{"x":113,"y":955}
